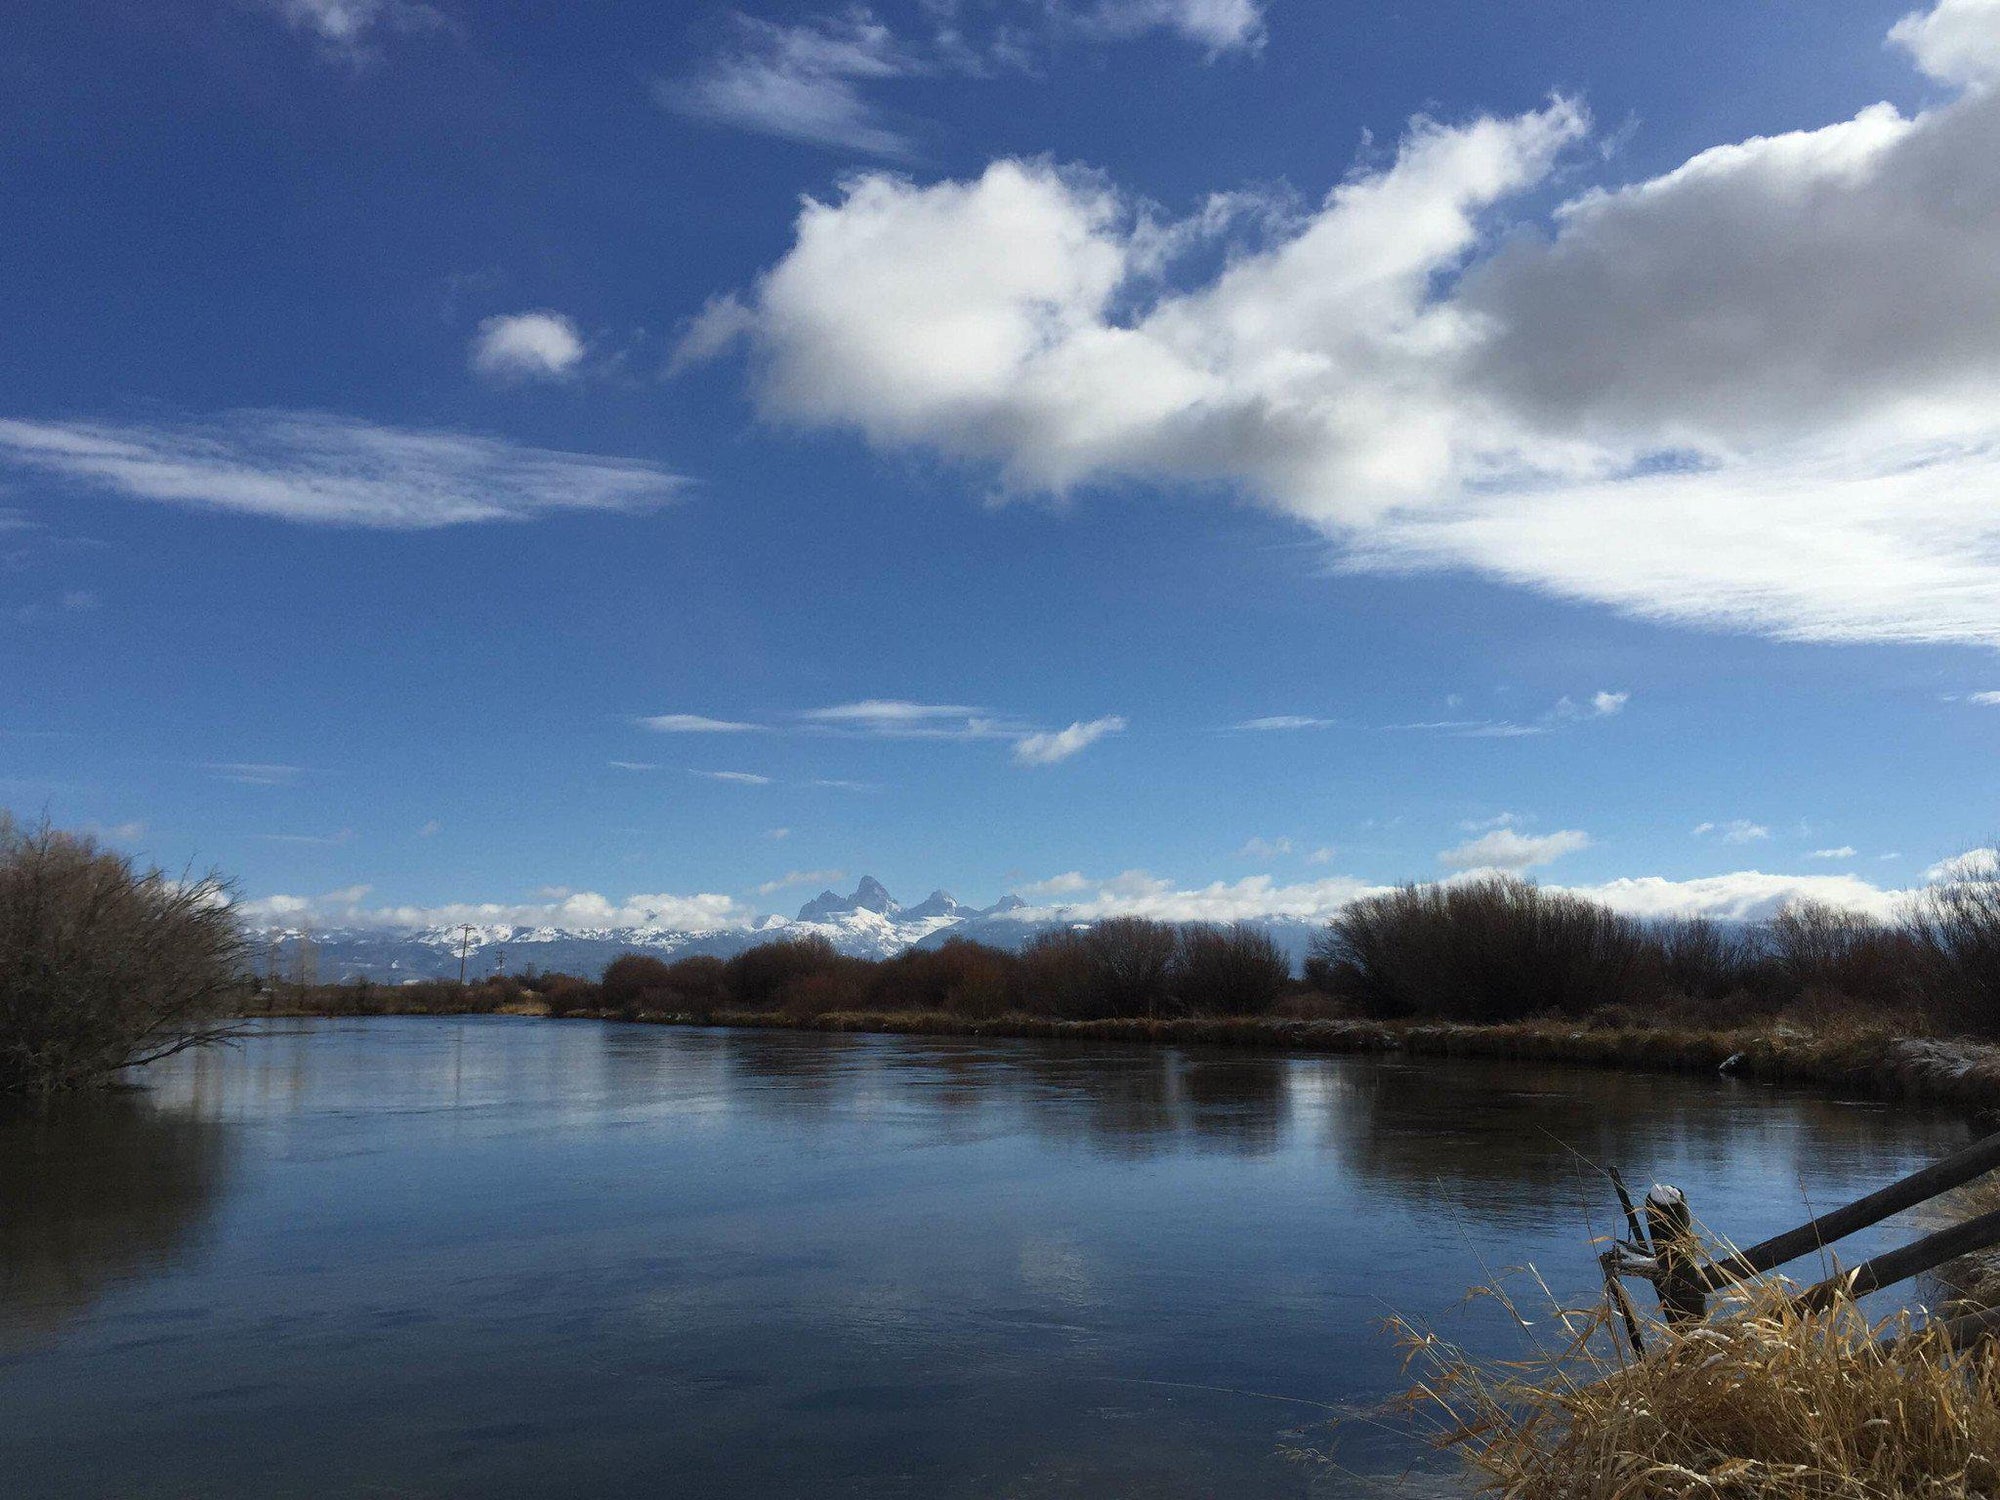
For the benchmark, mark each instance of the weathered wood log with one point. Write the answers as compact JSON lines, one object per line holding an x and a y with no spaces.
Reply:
{"x":1926,"y":1254}
{"x":1980,"y":1157}
{"x":1677,"y":1253}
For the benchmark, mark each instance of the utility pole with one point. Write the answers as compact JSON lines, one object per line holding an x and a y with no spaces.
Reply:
{"x":464,"y":942}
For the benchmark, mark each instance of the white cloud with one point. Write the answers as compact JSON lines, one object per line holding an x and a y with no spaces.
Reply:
{"x":777,"y":833}
{"x":1735,"y":831}
{"x":1646,"y":406}
{"x":632,"y":765}
{"x":327,"y":840}
{"x":1565,"y":711}
{"x":812,"y":80}
{"x":1219,"y":25}
{"x":80,"y":600}
{"x":1742,"y":895}
{"x":314,"y":468}
{"x":123,"y":833}
{"x":694,"y":724}
{"x":1324,"y":855}
{"x":251,"y":773}
{"x":895,"y":718}
{"x":802,"y":82}
{"x":1958,"y":41}
{"x":431,"y":829}
{"x":575,"y":909}
{"x":1277,"y":722}
{"x":1262,"y":848}
{"x":527,"y":346}
{"x":1046,"y":747}
{"x":1987,"y":699}
{"x":1844,"y":851}
{"x":1974,"y":864}
{"x":740,"y":778}
{"x":1507,"y":849}
{"x":1138,"y":894}
{"x":801,"y":877}
{"x":349,"y":28}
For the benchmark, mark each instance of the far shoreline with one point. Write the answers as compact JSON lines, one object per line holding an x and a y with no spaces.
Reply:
{"x":1874,"y":1063}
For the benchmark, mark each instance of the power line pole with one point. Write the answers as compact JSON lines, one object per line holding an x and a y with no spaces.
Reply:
{"x":464,"y":942}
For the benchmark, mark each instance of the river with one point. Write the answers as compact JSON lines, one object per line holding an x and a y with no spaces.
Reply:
{"x":502,"y":1257}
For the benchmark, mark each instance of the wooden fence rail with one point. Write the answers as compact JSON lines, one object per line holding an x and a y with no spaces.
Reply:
{"x":1663,"y":1248}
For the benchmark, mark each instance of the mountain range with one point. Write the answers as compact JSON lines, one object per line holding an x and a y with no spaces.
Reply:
{"x":869,"y":923}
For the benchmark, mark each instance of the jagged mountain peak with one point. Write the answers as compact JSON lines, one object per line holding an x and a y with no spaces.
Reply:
{"x":869,"y":895}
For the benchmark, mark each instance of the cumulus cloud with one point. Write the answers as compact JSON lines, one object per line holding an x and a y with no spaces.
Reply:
{"x":527,"y":346}
{"x":1735,"y":831}
{"x":1047,"y":747}
{"x":1758,"y":391}
{"x":318,"y":469}
{"x":1509,"y":849}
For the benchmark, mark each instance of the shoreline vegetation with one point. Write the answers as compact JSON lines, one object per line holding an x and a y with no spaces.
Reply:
{"x":1492,"y":967}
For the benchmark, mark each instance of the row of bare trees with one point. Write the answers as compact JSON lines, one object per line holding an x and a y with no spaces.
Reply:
{"x":1501,"y":949}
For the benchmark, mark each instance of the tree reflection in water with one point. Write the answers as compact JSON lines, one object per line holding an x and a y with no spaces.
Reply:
{"x":97,"y":1190}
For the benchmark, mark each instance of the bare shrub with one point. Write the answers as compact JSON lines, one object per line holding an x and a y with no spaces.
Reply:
{"x":961,"y":977}
{"x":1826,"y":951}
{"x":1496,"y":949}
{"x":1956,"y":926}
{"x":1229,"y":971}
{"x":633,"y":982}
{"x":695,"y":985}
{"x":102,"y":965}
{"x":1123,"y":967}
{"x":757,"y":977}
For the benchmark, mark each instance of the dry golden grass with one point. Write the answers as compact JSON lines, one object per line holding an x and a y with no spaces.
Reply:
{"x":1760,"y":1401}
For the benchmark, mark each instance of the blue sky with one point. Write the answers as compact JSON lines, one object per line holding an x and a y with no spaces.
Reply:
{"x":1199,"y":456}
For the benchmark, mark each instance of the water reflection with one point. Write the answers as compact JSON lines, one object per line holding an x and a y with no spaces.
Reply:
{"x":540,"y":1259}
{"x":94,"y":1192}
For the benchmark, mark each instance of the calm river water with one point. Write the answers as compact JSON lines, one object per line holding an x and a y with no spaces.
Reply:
{"x":498,"y":1258}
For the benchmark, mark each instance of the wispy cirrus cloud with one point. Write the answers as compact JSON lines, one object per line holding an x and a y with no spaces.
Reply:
{"x":907,"y":719}
{"x":1566,"y":711}
{"x":1511,"y":850}
{"x":695,"y":724}
{"x":1734,"y":831}
{"x":1280,"y":723}
{"x":1844,"y":851}
{"x":1047,"y":747}
{"x":353,"y":30}
{"x":738,"y":778}
{"x":255,"y":773}
{"x":817,"y":80}
{"x":801,"y":877}
{"x":314,"y":468}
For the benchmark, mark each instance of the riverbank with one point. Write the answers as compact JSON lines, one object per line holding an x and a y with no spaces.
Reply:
{"x":1872,"y":1062}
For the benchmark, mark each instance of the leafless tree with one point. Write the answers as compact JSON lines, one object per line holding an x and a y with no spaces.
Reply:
{"x":105,"y":966}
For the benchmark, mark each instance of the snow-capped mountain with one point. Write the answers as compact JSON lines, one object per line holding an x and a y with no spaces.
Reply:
{"x":870,"y":923}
